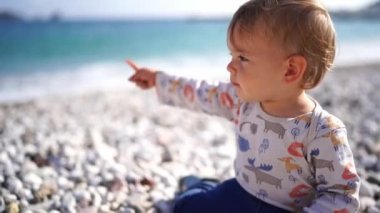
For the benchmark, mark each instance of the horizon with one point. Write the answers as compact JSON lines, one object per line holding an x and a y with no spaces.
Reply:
{"x":31,"y":10}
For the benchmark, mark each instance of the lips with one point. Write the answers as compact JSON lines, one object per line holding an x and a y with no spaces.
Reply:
{"x":233,"y":82}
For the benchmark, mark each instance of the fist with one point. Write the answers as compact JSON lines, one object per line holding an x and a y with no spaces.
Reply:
{"x":145,"y":78}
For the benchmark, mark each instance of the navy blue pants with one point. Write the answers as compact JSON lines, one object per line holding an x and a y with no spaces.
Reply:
{"x":228,"y":196}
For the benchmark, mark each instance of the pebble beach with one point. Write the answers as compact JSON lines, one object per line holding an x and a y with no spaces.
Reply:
{"x":122,"y":151}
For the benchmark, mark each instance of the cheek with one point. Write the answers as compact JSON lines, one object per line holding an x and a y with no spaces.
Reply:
{"x":247,"y":72}
{"x":244,"y":69}
{"x":246,"y":80}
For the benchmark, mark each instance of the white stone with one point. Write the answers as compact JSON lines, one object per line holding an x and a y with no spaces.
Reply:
{"x":105,"y":151}
{"x":12,"y":151}
{"x":107,"y":176}
{"x":102,"y":192}
{"x":68,"y":200}
{"x":366,"y":189}
{"x":2,"y":205}
{"x":10,"y":197}
{"x":93,"y":180}
{"x":27,"y":193}
{"x":371,"y":126}
{"x":24,"y":203}
{"x":156,"y":196}
{"x":118,"y":169}
{"x":4,"y":158}
{"x":48,"y":172}
{"x":110,"y":196}
{"x":120,"y":197}
{"x":88,"y":209}
{"x":91,"y":169}
{"x":64,"y":183}
{"x":366,"y":202}
{"x":104,"y":209}
{"x":96,"y":199}
{"x":369,"y":161}
{"x":33,"y":180}
{"x":129,"y":210}
{"x":373,"y":209}
{"x":82,"y":196}
{"x":15,"y":185}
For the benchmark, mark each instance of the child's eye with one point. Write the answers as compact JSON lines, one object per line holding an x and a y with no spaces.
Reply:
{"x":242,"y":58}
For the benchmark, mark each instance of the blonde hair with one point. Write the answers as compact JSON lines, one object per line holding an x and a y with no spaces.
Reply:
{"x":302,"y":27}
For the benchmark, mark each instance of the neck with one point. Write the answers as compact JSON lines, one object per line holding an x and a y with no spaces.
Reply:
{"x":289,"y":107}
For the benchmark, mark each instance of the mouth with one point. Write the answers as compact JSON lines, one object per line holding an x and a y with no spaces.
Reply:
{"x":235,"y":84}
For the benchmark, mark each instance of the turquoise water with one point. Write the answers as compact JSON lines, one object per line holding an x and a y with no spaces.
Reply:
{"x":28,"y":47}
{"x":43,"y":57}
{"x":47,"y":45}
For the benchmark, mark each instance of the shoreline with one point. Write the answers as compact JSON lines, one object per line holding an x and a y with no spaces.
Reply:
{"x":371,"y":66}
{"x":124,"y":85}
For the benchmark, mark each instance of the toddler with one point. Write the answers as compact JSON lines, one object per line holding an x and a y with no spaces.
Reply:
{"x":291,"y":154}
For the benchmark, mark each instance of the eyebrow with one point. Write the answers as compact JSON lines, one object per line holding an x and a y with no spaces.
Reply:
{"x":234,"y":47}
{"x":240,"y":50}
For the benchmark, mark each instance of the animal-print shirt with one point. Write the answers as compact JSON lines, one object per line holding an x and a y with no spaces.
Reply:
{"x":298,"y":164}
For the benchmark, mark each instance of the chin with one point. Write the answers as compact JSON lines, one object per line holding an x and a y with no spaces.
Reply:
{"x":240,"y":96}
{"x":243,"y":98}
{"x":249,"y":99}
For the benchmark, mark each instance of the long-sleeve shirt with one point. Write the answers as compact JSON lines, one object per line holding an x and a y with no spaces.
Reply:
{"x":298,"y":164}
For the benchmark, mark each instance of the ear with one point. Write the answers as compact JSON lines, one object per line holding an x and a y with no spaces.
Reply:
{"x":295,"y":68}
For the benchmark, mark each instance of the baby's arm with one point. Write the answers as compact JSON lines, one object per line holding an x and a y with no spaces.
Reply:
{"x":218,"y":99}
{"x":332,"y":162}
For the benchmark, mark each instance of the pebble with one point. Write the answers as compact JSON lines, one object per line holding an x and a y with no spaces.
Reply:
{"x":33,"y":181}
{"x":104,"y":209}
{"x":13,"y":207}
{"x":24,"y":204}
{"x":2,"y":204}
{"x":369,"y":161}
{"x":163,"y":206}
{"x":15,"y":185}
{"x":366,"y":189}
{"x":46,"y":191}
{"x":366,"y":202}
{"x":128,"y":210}
{"x":83,"y":198}
{"x":8,"y":198}
{"x":101,"y":152}
{"x":64,"y":183}
{"x":373,"y":209}
{"x":96,"y":200}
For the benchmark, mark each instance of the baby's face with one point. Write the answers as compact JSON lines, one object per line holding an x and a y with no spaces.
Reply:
{"x":257,"y":65}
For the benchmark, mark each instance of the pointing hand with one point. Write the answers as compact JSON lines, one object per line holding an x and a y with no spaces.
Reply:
{"x":145,"y":78}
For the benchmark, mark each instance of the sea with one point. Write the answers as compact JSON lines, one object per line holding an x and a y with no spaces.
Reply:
{"x":69,"y":57}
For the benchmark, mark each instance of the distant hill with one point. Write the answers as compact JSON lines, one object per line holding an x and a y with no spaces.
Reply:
{"x":370,"y":12}
{"x":9,"y":16}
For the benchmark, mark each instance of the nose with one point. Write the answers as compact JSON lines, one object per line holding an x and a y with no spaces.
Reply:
{"x":231,"y":68}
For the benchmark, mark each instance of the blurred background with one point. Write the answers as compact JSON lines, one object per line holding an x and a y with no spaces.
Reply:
{"x":47,"y":44}
{"x":111,"y":147}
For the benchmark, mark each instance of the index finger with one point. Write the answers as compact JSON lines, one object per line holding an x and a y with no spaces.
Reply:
{"x":132,"y":64}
